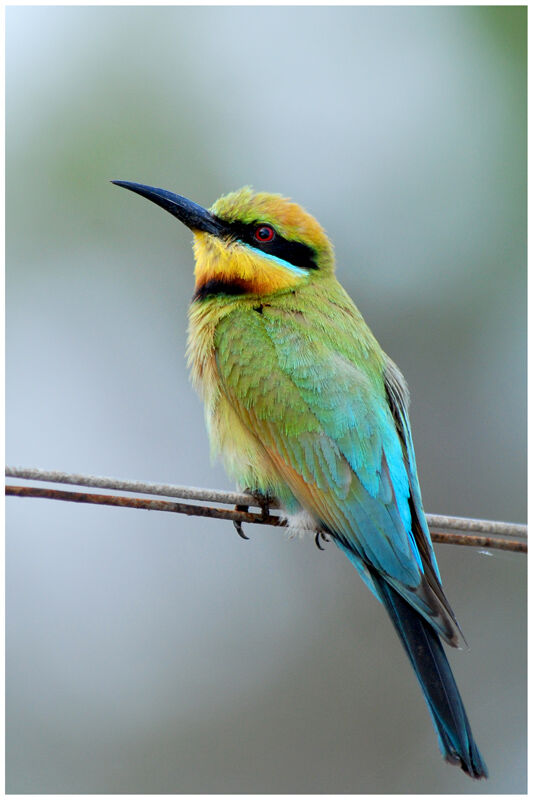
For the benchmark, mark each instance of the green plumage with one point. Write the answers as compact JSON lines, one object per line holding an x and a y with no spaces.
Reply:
{"x":303,"y":404}
{"x":308,"y":379}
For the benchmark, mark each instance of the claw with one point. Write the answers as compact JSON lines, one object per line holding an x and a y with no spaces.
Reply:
{"x":238,"y":524}
{"x":263,"y":501}
{"x":320,"y":535}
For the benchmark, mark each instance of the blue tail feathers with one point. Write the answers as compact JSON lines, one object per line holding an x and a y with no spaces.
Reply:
{"x":426,"y":654}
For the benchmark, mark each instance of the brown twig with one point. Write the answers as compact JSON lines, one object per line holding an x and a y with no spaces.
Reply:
{"x":468,"y":539}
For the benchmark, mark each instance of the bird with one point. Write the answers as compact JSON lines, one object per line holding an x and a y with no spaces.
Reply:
{"x":303,"y":405}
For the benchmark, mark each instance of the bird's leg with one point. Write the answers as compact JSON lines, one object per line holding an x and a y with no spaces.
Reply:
{"x":264,"y":499}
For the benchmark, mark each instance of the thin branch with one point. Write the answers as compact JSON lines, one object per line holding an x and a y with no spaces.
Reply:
{"x":471,"y":525}
{"x":148,"y":505}
{"x":166,"y":489}
{"x":475,"y":533}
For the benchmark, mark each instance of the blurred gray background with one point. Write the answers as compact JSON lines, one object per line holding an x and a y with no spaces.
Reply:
{"x":151,"y":653}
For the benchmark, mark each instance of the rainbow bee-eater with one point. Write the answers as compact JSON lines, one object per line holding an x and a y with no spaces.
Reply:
{"x":303,"y":405}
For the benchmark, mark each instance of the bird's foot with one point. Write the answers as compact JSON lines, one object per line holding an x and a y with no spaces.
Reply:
{"x":321,"y":536}
{"x":264,"y":500}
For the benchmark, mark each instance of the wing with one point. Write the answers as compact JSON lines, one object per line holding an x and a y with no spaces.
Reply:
{"x":398,"y":400}
{"x":340,"y":439}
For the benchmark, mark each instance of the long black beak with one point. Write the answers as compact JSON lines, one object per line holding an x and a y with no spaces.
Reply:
{"x":191,"y":214}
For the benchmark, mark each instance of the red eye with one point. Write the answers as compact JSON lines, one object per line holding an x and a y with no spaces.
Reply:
{"x":264,"y":234}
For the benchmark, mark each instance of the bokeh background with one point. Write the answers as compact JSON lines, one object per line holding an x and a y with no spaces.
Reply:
{"x":151,"y":653}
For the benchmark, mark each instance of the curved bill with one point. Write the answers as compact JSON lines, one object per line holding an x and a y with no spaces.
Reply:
{"x":191,"y":214}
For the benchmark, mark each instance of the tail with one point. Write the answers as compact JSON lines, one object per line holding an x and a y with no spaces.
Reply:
{"x":426,"y":654}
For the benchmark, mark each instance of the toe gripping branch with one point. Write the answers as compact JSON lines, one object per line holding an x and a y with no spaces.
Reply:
{"x":264,"y":502}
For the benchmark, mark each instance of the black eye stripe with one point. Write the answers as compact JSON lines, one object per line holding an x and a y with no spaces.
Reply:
{"x":296,"y":253}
